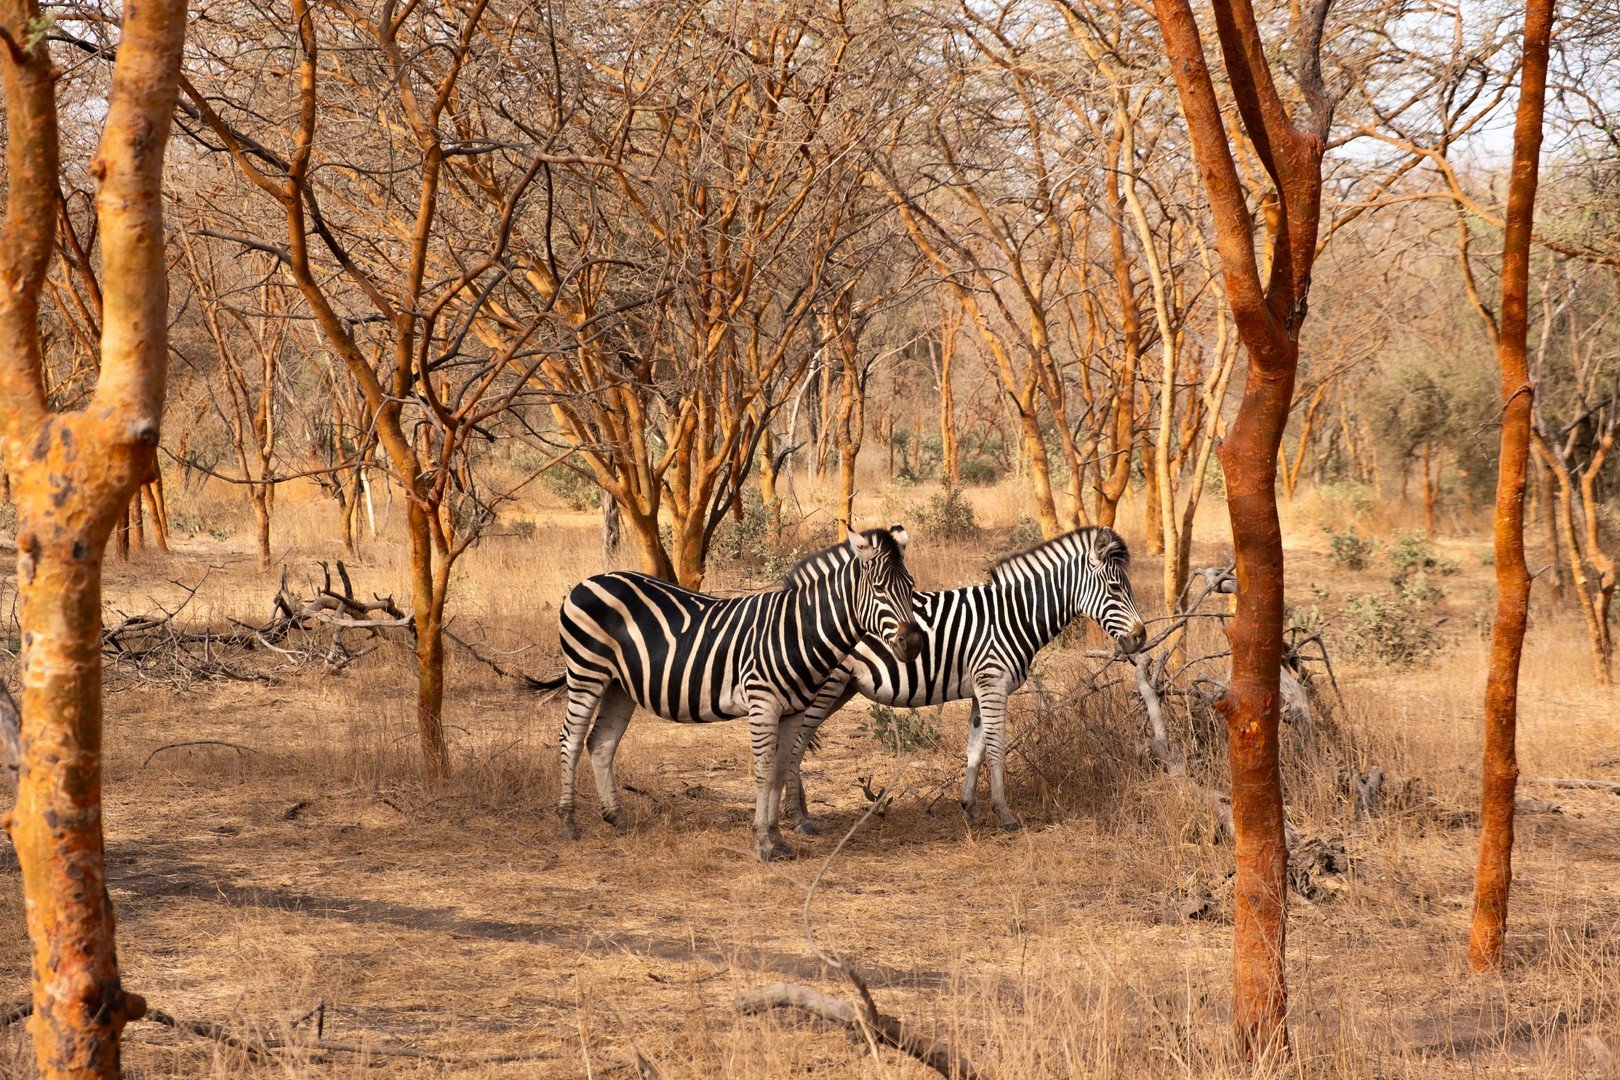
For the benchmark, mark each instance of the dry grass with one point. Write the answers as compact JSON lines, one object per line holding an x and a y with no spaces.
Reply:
{"x":251,"y":885}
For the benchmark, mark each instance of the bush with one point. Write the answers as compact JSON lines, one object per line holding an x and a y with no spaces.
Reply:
{"x":901,"y":731}
{"x":1412,"y":555}
{"x":949,"y":515}
{"x":977,"y":471}
{"x":1395,"y":628}
{"x":1350,"y":549}
{"x":1026,"y":533}
{"x":748,"y":539}
{"x":574,"y":486}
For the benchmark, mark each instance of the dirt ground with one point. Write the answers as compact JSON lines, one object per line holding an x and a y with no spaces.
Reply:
{"x":294,"y":867}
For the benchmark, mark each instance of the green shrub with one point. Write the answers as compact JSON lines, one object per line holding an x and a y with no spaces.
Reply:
{"x":1395,"y":628}
{"x":901,"y":731}
{"x":1026,"y":533}
{"x":574,"y":486}
{"x":1411,"y":554}
{"x":748,"y":538}
{"x":977,"y":471}
{"x":1350,"y":549}
{"x":949,"y":516}
{"x":523,"y":529}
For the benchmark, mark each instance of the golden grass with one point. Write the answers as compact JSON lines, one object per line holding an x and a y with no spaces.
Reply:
{"x":250,"y":885}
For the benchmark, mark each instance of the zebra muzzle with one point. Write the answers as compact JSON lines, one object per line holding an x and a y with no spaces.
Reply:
{"x":908,"y":642}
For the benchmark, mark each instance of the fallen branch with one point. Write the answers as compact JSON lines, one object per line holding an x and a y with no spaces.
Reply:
{"x":1576,"y":782}
{"x":198,"y":742}
{"x":939,"y":1056}
{"x":11,"y":1014}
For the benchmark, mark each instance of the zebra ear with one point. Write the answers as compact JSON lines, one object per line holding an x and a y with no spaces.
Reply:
{"x":863,"y":548}
{"x":900,"y":537}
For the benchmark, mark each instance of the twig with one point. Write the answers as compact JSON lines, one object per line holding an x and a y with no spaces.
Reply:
{"x":199,"y":742}
{"x":11,"y":1014}
{"x":937,"y":1055}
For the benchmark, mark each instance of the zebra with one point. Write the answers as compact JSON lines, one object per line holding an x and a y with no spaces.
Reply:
{"x":629,"y":639}
{"x":979,"y":642}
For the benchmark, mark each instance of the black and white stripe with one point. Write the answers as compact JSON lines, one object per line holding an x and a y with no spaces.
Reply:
{"x":630,"y":639}
{"x":979,"y":642}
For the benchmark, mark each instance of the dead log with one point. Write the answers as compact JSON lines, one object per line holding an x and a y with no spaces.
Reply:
{"x":937,"y":1055}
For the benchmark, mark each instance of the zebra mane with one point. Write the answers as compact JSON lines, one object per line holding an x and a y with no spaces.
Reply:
{"x":816,"y":566}
{"x":1037,"y":560}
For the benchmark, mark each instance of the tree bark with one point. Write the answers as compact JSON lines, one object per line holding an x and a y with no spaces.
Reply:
{"x":74,"y":476}
{"x":1500,"y":775}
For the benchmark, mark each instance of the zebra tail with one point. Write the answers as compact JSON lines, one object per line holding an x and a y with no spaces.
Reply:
{"x":545,"y":686}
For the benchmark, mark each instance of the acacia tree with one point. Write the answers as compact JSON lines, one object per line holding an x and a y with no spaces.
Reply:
{"x":1268,"y":316}
{"x":246,"y":397}
{"x":394,"y":282}
{"x":1500,"y":774}
{"x":715,"y":206}
{"x":73,"y":473}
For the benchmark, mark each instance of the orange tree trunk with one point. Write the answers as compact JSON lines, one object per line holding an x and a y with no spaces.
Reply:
{"x":1500,"y":775}
{"x":1268,"y":318}
{"x":74,"y":476}
{"x":430,"y":582}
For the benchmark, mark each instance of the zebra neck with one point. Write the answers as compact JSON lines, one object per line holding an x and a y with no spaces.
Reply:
{"x":1048,"y":604}
{"x":827,"y":606}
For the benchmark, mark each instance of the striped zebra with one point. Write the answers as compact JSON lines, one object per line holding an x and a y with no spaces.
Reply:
{"x":629,"y":639}
{"x":979,"y":642}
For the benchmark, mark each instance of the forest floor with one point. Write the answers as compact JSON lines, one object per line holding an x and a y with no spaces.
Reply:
{"x":306,"y":864}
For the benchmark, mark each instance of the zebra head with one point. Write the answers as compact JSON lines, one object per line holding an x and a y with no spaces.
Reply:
{"x":1104,"y":592}
{"x":883,"y":590}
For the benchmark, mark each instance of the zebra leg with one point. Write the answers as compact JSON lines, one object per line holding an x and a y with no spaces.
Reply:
{"x":796,"y":807}
{"x":994,"y":710}
{"x":612,"y":717}
{"x":764,"y":724}
{"x":975,"y":757}
{"x":583,"y":697}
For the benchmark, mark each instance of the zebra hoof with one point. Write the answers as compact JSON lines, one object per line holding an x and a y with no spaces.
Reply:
{"x":771,"y":848}
{"x":806,"y":827}
{"x":1011,"y":824}
{"x":621,"y":827}
{"x":569,"y":831}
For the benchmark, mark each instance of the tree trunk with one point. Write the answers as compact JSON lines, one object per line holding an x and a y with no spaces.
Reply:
{"x":1430,"y":495}
{"x":1500,"y":775}
{"x":153,"y":494}
{"x":427,"y":604}
{"x":1268,"y":318}
{"x":949,"y":466}
{"x":1249,"y":461}
{"x":1549,"y":521}
{"x":74,"y":477}
{"x":1153,"y":512}
{"x":259,"y":498}
{"x":66,"y":509}
{"x":644,"y":528}
{"x":611,"y":531}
